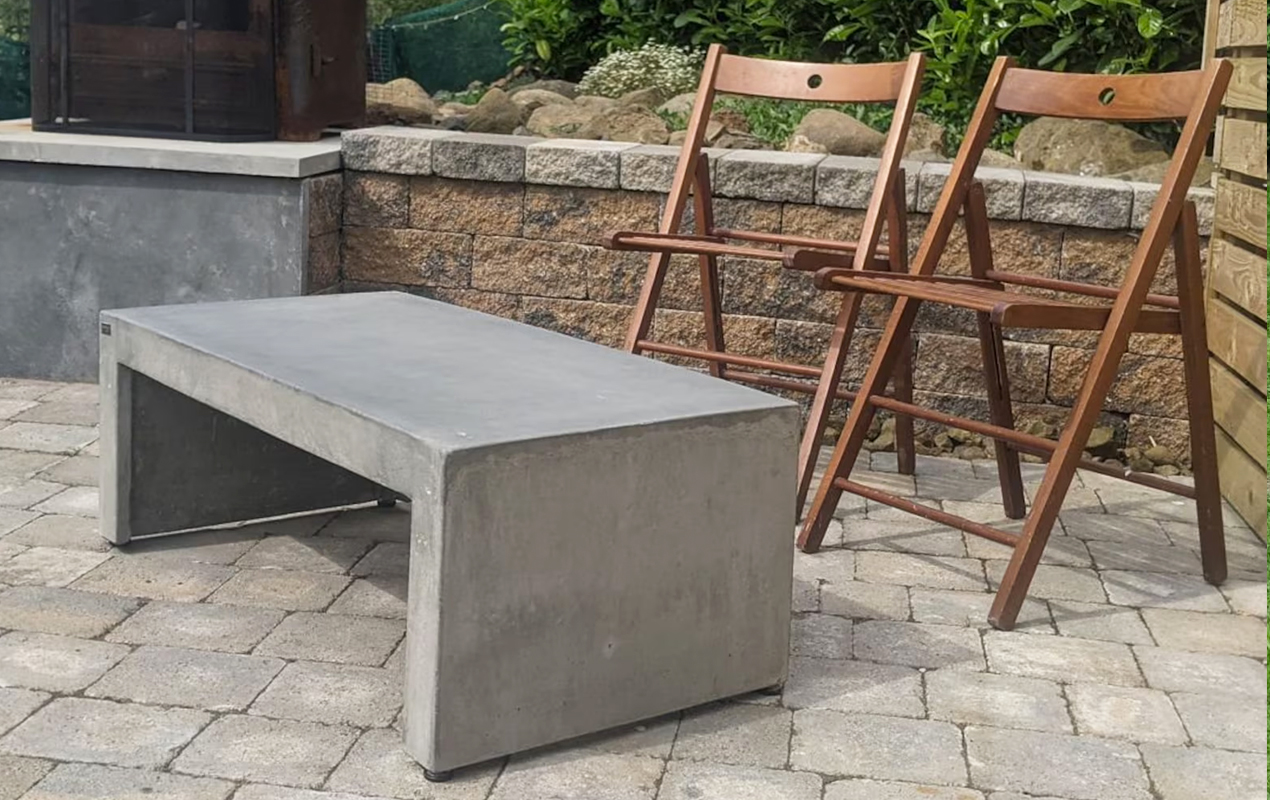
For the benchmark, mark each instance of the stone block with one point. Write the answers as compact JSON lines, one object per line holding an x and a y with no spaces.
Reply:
{"x":375,"y":200}
{"x":854,"y":687}
{"x":378,"y":596}
{"x":67,"y":612}
{"x":860,"y":600}
{"x":954,"y":365}
{"x":391,"y":149}
{"x":1054,"y":582}
{"x":1144,"y":195}
{"x":603,"y":323}
{"x":15,"y":706}
{"x":1224,"y":721}
{"x":735,"y":733}
{"x":935,"y":572}
{"x":586,"y":216}
{"x":1103,"y":258}
{"x":572,"y":776}
{"x":324,"y":203}
{"x":57,"y":530}
{"x":1144,"y":384}
{"x":222,"y":546}
{"x":861,"y":789}
{"x":84,"y":781}
{"x":306,"y":554}
{"x":763,"y":288}
{"x":200,"y":626}
{"x":61,"y":412}
{"x":970,"y":609}
{"x":918,"y":645}
{"x":1179,"y":671}
{"x":1077,"y":200}
{"x":1189,"y":773}
{"x":999,"y":701}
{"x":13,"y":518}
{"x":765,"y":175}
{"x":532,"y":267}
{"x":847,"y":181}
{"x":1117,"y":712}
{"x":171,"y":676}
{"x":883,"y":748}
{"x":77,"y":500}
{"x":569,"y":162}
{"x":911,"y":535}
{"x":821,"y":636}
{"x":48,"y":566}
{"x":1076,"y":767}
{"x":686,"y":781}
{"x":155,"y":579}
{"x":386,"y":559}
{"x":104,"y":732}
{"x":1207,"y":633}
{"x":497,"y":303}
{"x":1162,"y":590}
{"x":45,"y":437}
{"x":28,"y":494}
{"x":1057,"y":658}
{"x":54,"y":663}
{"x":648,"y":168}
{"x":18,"y":774}
{"x":331,"y":637}
{"x":379,"y":766}
{"x":323,"y":263}
{"x":1123,"y":556}
{"x":1099,"y":621}
{"x":461,"y":206}
{"x":1003,"y":189}
{"x":481,"y":157}
{"x":245,"y":748}
{"x":389,"y":255}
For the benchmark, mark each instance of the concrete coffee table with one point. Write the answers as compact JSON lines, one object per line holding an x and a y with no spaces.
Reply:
{"x":596,"y":538}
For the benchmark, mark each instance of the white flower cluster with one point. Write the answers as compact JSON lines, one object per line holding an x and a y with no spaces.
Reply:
{"x":673,"y":70}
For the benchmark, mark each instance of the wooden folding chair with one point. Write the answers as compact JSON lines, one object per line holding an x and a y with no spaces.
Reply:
{"x":897,"y":83}
{"x":1130,"y":308}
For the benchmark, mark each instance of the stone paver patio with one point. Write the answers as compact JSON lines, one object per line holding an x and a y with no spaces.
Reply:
{"x":263,"y":663}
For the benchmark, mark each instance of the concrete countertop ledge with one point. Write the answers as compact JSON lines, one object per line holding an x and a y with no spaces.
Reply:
{"x":267,"y":159}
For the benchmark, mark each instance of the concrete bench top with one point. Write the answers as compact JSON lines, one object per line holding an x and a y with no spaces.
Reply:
{"x":452,"y":378}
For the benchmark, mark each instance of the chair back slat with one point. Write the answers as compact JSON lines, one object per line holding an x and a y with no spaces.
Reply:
{"x":826,"y":83}
{"x":1123,"y":98}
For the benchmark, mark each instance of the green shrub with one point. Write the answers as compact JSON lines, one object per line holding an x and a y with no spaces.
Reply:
{"x":15,"y":19}
{"x":673,"y":70}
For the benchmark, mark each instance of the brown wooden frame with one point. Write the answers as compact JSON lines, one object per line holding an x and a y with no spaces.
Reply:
{"x":898,"y":83}
{"x":1192,"y":96}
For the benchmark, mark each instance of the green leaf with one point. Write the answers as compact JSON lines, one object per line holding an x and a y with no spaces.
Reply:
{"x":544,"y":49}
{"x":1150,"y":23}
{"x":1058,"y":49}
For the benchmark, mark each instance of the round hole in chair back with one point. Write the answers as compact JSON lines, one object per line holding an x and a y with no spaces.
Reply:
{"x":814,"y":81}
{"x":1106,"y":96}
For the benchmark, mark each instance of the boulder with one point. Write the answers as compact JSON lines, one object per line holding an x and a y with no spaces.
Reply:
{"x":626,"y":124}
{"x":566,"y":89}
{"x":841,"y":134}
{"x":399,"y":102}
{"x":1084,"y":147}
{"x":652,"y":97}
{"x":729,"y":140}
{"x":801,"y":144}
{"x":679,"y":104}
{"x":924,"y":134}
{"x":927,"y":155}
{"x":495,"y":113}
{"x":677,"y":138}
{"x":1154,"y":173}
{"x":556,"y":121}
{"x":595,"y":101}
{"x":533,"y":99}
{"x":733,"y":121}
{"x":995,"y":158}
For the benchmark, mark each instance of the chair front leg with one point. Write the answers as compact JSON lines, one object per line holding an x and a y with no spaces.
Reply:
{"x":711,"y":295}
{"x":897,"y":258}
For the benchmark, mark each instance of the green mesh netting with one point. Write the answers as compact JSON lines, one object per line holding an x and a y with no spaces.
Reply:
{"x":15,"y":79}
{"x":442,"y":48}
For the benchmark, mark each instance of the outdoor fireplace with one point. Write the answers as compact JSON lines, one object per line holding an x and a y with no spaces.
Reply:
{"x":198,"y":69}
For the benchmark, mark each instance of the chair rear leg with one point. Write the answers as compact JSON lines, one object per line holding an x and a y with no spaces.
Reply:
{"x":897,"y":235}
{"x":711,"y":296}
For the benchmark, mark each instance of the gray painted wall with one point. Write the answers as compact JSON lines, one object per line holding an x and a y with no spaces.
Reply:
{"x":75,"y":240}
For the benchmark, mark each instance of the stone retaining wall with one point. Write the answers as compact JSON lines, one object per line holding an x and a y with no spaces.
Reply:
{"x":512,"y":225}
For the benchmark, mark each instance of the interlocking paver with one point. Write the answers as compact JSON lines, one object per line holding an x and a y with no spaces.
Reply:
{"x":335,"y":694}
{"x":1223,"y":721}
{"x":933,"y":572}
{"x":1058,"y":658}
{"x":18,"y":704}
{"x":305,"y":554}
{"x":95,"y":782}
{"x":1246,"y":595}
{"x":61,"y":412}
{"x":1199,"y":773}
{"x":46,"y":438}
{"x":1001,"y":701}
{"x":379,"y":766}
{"x":1060,"y":551}
{"x":388,"y":558}
{"x":9,"y":550}
{"x":334,"y":637}
{"x":281,"y":589}
{"x":1180,"y":671}
{"x":155,"y":579}
{"x":25,"y":389}
{"x":820,"y":636}
{"x":262,"y":791}
{"x":46,"y":609}
{"x":862,"y":789}
{"x":691,"y":781}
{"x":912,"y":535}
{"x":54,"y":663}
{"x":885,"y":748}
{"x":1100,"y":621}
{"x":82,"y":501}
{"x":11,"y":407}
{"x":860,"y":600}
{"x":1119,"y":712}
{"x":73,"y":393}
{"x":104,"y":732}
{"x":916,"y":644}
{"x":1135,"y":557}
{"x":379,"y":524}
{"x":224,"y":546}
{"x":1208,"y":633}
{"x":199,"y":626}
{"x":854,"y":686}
{"x":380,"y":596}
{"x":80,"y":470}
{"x":59,"y":530}
{"x":24,"y":463}
{"x":579,"y":776}
{"x":1077,"y":767}
{"x":1162,"y":590}
{"x":1053,"y":582}
{"x":13,"y":518}
{"x":270,"y":751}
{"x":17,"y":774}
{"x":26,"y":493}
{"x":173,"y":676}
{"x":970,"y":610}
{"x":653,"y":738}
{"x":1144,"y":533}
{"x":735,"y":733}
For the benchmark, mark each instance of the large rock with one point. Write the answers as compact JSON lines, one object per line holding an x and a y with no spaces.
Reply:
{"x":626,"y":124}
{"x":533,"y":99}
{"x":840,"y":134}
{"x":995,"y":158}
{"x":560,"y":121}
{"x":801,"y":144}
{"x":1154,"y":173}
{"x":595,"y":101}
{"x":399,"y":102}
{"x":652,"y":97}
{"x":924,"y":133}
{"x":679,"y":104}
{"x":566,"y":89}
{"x":495,"y":113}
{"x":1084,"y":147}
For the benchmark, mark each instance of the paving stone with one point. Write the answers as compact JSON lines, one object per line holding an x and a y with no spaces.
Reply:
{"x":1131,"y":501}
{"x":24,"y":389}
{"x":1223,"y":721}
{"x":46,"y":438}
{"x":73,"y":393}
{"x":17,"y":704}
{"x":735,"y":733}
{"x":221,"y":546}
{"x":860,"y":600}
{"x":914,"y":535}
{"x":934,"y":572}
{"x":1178,"y":671}
{"x":1080,"y":768}
{"x":1162,"y":590}
{"x":1061,"y":659}
{"x":335,"y":694}
{"x":61,"y":412}
{"x":854,"y":686}
{"x":46,"y":609}
{"x":172,"y":676}
{"x":261,"y":791}
{"x":379,"y":766}
{"x":1099,"y":621}
{"x":690,"y":781}
{"x":1001,"y":701}
{"x":380,"y":524}
{"x":652,"y":738}
{"x":282,"y":589}
{"x":58,"y":530}
{"x":1198,"y":773}
{"x":380,"y":596}
{"x":959,"y":488}
{"x":270,"y":751}
{"x":1208,"y":633}
{"x":99,"y":731}
{"x":54,"y":663}
{"x":13,"y":518}
{"x":970,"y":610}
{"x":1118,"y":712}
{"x":859,"y":789}
{"x":199,"y":626}
{"x":80,"y":470}
{"x":916,"y":644}
{"x":309,"y":554}
{"x":889,"y":481}
{"x":18,"y":774}
{"x":885,"y":748}
{"x":10,"y":408}
{"x":1246,"y":596}
{"x":21,"y":464}
{"x":1062,"y":551}
{"x":333,"y":637}
{"x":388,"y":558}
{"x":94,"y":782}
{"x":1052,"y":582}
{"x":820,"y":636}
{"x":8,"y":550}
{"x":155,"y":579}
{"x":27,"y":493}
{"x":1120,"y":555}
{"x":569,"y":775}
{"x":1145,"y":533}
{"x":81,"y":501}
